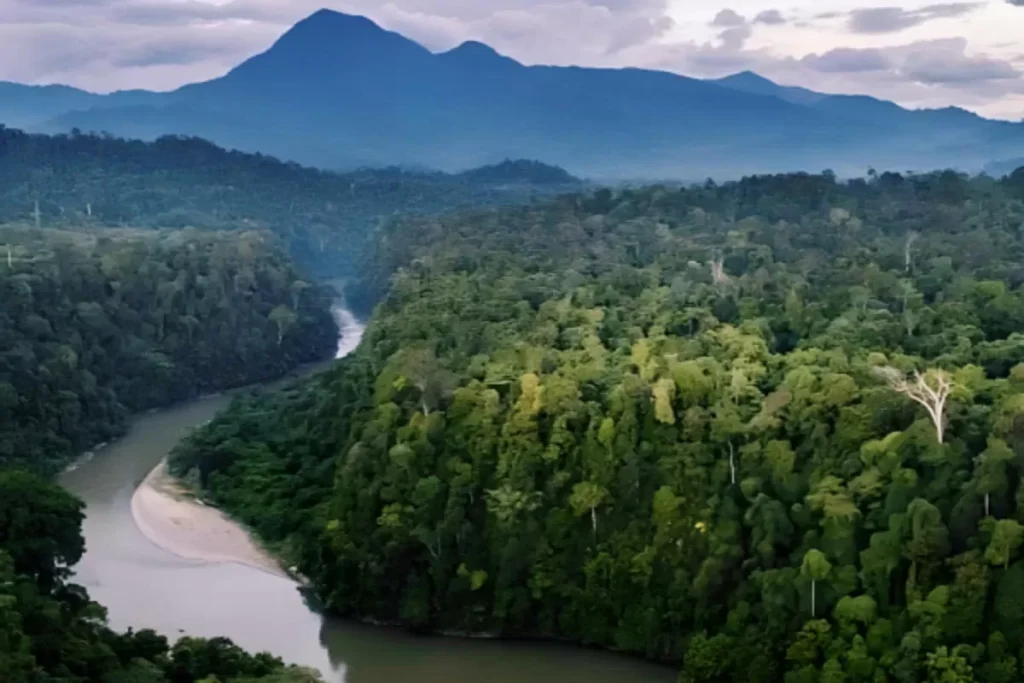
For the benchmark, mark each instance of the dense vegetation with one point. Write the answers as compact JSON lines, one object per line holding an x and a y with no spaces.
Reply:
{"x":96,"y":325}
{"x":324,"y":218}
{"x":772,"y":430}
{"x":50,"y":632}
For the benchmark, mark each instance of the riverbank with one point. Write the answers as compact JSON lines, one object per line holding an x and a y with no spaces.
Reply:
{"x":170,"y":518}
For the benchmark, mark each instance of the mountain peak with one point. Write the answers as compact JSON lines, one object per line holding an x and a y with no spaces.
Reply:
{"x":477,"y":53}
{"x":326,"y":44}
{"x":747,"y":77}
{"x":474,"y":48}
{"x":327,"y":26}
{"x":338,"y":20}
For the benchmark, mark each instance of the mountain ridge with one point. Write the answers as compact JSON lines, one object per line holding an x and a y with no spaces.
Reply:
{"x":339,"y":91}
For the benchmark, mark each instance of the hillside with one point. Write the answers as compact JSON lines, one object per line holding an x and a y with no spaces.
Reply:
{"x":325,"y":219}
{"x":686,"y":424}
{"x":98,"y":324}
{"x":337,"y":91}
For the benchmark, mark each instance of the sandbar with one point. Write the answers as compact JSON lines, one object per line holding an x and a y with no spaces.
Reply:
{"x":174,"y":521}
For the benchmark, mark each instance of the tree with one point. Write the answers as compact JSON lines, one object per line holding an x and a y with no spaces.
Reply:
{"x":284,"y":318}
{"x":930,"y":390}
{"x":586,"y":496}
{"x":815,"y":568}
{"x":991,"y":470}
{"x":1006,"y":537}
{"x":39,"y":528}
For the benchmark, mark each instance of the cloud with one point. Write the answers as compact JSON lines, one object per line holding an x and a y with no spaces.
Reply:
{"x":728,"y":18}
{"x":848,"y":60}
{"x":109,"y":44}
{"x":736,"y":37}
{"x":947,"y":63}
{"x":896,"y":19}
{"x":773,"y":17}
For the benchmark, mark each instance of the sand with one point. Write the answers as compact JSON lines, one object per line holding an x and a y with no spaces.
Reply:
{"x":176,"y":522}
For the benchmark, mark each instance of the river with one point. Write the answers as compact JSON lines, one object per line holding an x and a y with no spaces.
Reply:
{"x":143,"y":586}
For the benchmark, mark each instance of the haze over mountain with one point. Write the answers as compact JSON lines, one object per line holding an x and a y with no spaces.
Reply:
{"x":338,"y":91}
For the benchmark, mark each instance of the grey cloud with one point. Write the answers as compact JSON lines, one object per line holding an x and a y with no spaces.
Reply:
{"x":728,"y":18}
{"x":1016,"y":3}
{"x":773,"y":17}
{"x":895,"y":19}
{"x":118,"y":40}
{"x":945,"y":67}
{"x":173,"y":53}
{"x":848,"y":60}
{"x":736,"y":37}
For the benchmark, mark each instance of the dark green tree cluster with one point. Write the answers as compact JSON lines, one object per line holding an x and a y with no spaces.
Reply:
{"x":519,"y":171}
{"x":50,"y":632}
{"x":95,"y":325}
{"x":772,"y":430}
{"x":324,"y":218}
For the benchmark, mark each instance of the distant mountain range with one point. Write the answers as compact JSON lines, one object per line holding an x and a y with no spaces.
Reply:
{"x":338,"y":91}
{"x":1005,"y":167}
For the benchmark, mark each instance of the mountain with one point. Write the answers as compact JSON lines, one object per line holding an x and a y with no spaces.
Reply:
{"x":947,"y":121}
{"x":338,"y":91}
{"x":748,"y":81}
{"x":23,"y":106}
{"x":32,"y":106}
{"x":1005,"y":167}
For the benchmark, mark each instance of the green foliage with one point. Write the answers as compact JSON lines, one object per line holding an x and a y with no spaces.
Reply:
{"x":675,"y":423}
{"x":95,"y":325}
{"x":324,"y":219}
{"x":39,"y":528}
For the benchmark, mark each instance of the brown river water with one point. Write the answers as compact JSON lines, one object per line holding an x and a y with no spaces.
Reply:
{"x":143,"y":586}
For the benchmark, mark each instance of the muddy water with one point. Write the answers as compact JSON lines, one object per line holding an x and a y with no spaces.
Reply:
{"x":146,"y":587}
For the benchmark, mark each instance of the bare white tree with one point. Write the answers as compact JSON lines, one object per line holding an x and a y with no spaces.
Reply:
{"x":718,"y":275}
{"x":931,"y":390}
{"x":908,"y":260}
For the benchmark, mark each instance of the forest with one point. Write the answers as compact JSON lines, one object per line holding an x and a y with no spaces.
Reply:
{"x":134,"y":275}
{"x":50,"y":632}
{"x":769,"y":430}
{"x":326,"y":220}
{"x":99,"y":324}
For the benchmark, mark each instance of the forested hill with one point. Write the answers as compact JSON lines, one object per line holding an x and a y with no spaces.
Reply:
{"x":771,"y":430}
{"x":324,"y":218}
{"x":97,"y":324}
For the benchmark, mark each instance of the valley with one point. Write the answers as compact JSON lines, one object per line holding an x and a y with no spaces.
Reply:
{"x":370,"y":363}
{"x":145,"y":586}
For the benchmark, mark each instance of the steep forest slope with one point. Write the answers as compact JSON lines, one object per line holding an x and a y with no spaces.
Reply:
{"x":325,"y":219}
{"x":96,"y":324}
{"x":771,"y":430}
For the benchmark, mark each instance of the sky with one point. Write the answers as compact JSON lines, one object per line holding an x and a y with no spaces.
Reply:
{"x":966,"y":53}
